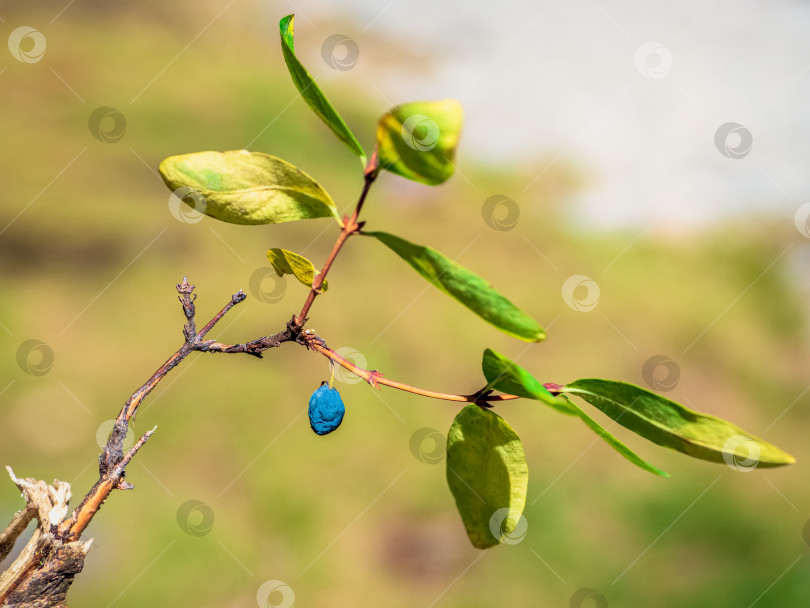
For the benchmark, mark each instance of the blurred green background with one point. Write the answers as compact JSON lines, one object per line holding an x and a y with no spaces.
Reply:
{"x":90,"y":254}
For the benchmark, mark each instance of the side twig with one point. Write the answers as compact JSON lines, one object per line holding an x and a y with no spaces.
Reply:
{"x":376,"y":378}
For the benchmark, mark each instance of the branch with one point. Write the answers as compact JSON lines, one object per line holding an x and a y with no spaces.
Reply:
{"x":375,"y":378}
{"x":350,"y":226}
{"x":17,"y":526}
{"x":44,"y":570}
{"x":113,"y":460}
{"x":254,"y":347}
{"x":110,"y":480}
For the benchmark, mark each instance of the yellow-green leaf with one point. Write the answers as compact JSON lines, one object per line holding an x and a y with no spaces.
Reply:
{"x":488,"y":476}
{"x":312,"y":94}
{"x":241,"y":187}
{"x":674,"y":426}
{"x":418,"y":140}
{"x":287,"y":262}
{"x":465,"y":286}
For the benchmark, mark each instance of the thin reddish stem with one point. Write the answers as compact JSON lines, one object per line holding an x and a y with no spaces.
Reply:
{"x":375,"y":378}
{"x":350,"y":226}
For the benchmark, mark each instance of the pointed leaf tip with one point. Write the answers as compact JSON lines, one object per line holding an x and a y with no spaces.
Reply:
{"x":311,"y":92}
{"x":672,"y":425}
{"x":464,"y":286}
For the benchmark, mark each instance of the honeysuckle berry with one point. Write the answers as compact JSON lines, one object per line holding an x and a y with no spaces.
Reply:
{"x":325,"y":409}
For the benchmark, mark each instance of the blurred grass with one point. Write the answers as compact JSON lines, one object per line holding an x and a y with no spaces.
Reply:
{"x":354,"y":515}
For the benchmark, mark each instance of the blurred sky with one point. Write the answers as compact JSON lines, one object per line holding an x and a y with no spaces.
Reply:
{"x":635,"y":91}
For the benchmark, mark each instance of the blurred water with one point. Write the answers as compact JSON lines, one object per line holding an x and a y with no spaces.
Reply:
{"x":545,"y":84}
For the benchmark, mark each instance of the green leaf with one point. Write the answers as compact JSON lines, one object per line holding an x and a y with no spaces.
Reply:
{"x":418,"y":140}
{"x":488,"y":476}
{"x":507,"y":377}
{"x":241,"y":187}
{"x":312,"y":93}
{"x":617,"y":445}
{"x":465,"y":286}
{"x":672,"y":425}
{"x":287,"y":262}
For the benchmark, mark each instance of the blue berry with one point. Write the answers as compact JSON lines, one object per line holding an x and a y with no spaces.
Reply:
{"x":325,"y":409}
